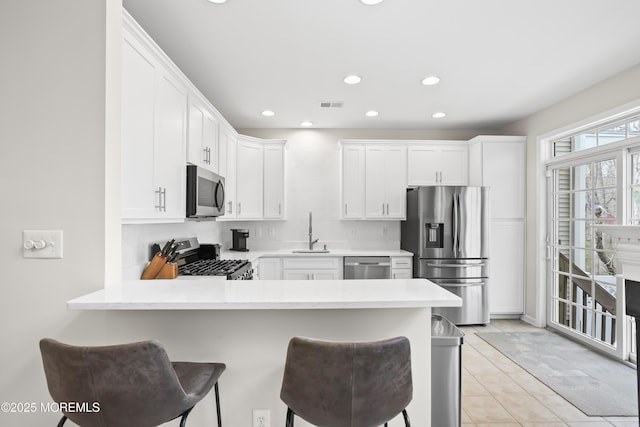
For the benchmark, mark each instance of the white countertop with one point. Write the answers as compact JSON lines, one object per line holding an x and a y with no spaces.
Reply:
{"x":220,"y":294}
{"x":254,"y":255}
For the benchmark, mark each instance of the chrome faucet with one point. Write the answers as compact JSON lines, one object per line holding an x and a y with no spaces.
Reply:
{"x":311,"y":241}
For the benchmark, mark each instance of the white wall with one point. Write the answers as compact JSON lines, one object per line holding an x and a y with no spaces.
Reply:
{"x":52,"y":129}
{"x":620,"y":90}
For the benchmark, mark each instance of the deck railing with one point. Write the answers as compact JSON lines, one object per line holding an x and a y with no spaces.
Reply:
{"x":576,"y":313}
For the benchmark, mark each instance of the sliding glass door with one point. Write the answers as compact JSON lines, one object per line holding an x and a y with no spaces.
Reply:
{"x":583,"y":297}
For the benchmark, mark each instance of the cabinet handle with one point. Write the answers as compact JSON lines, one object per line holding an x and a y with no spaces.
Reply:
{"x":208,"y":155}
{"x":387,"y":208}
{"x":230,"y":207}
{"x":239,"y":208}
{"x":345,"y":209}
{"x":383,"y":209}
{"x":279,"y":208}
{"x":162,"y":199}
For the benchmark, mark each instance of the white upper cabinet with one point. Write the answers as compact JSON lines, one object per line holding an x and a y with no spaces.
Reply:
{"x":385,"y":181}
{"x":274,"y":180}
{"x":437,"y":163}
{"x":249,"y":178}
{"x":203,"y":135}
{"x":499,"y":162}
{"x":227,"y":151}
{"x":154,"y":114}
{"x":352,"y":181}
{"x":374,"y":180}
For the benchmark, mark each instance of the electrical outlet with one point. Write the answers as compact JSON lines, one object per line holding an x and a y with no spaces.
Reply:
{"x":261,"y":418}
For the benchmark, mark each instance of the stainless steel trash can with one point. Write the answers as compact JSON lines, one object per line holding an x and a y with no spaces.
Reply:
{"x":446,"y":373}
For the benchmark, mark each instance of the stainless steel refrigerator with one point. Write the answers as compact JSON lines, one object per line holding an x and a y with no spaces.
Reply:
{"x":447,"y":229}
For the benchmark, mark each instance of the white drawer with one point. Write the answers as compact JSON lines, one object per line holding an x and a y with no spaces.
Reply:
{"x":401,"y":262}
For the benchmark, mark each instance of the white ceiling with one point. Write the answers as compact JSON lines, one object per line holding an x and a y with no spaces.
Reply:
{"x":499,"y":60}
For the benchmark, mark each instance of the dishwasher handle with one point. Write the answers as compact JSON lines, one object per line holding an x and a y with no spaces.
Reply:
{"x":381,"y":264}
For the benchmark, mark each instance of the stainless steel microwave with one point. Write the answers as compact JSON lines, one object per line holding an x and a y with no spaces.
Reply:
{"x":205,"y":193}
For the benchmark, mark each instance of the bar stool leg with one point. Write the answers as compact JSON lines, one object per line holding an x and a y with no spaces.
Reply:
{"x":217,"y":394}
{"x":62,"y":421}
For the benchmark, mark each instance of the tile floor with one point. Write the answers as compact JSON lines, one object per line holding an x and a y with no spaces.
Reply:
{"x":496,"y":392}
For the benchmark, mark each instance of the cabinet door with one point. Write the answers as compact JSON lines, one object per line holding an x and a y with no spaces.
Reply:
{"x":196,"y":150}
{"x":401,"y":273}
{"x":249,"y":176}
{"x":274,"y":181}
{"x":227,"y":168}
{"x":170,"y":144}
{"x":506,"y":277}
{"x":296,"y":275}
{"x":503,"y":169}
{"x":210,"y":142}
{"x":454,"y":166}
{"x":352,"y":182}
{"x":395,"y":182}
{"x":375,"y":182}
{"x":324,"y":275}
{"x":270,"y":268}
{"x":138,"y":77}
{"x":423,"y":165}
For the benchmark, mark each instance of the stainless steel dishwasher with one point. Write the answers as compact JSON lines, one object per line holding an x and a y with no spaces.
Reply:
{"x":367,"y":267}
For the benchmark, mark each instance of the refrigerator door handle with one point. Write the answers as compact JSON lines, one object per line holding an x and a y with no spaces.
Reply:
{"x":456,"y":219}
{"x":482,"y":264}
{"x":460,"y":285}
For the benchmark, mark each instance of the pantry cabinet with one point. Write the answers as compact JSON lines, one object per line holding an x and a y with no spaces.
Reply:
{"x":499,"y":163}
{"x":154,"y":114}
{"x":437,"y":163}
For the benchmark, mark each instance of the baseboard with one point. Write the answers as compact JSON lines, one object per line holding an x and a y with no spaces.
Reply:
{"x":532,"y":321}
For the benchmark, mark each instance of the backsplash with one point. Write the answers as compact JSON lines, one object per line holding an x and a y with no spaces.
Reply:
{"x":137,"y":238}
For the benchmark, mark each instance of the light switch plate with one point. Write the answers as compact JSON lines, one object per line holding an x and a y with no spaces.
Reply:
{"x":42,"y":243}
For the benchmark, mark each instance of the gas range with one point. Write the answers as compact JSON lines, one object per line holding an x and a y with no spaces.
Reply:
{"x":195,"y":259}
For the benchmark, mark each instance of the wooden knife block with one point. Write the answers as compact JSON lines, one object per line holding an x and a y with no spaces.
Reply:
{"x":159,"y":268}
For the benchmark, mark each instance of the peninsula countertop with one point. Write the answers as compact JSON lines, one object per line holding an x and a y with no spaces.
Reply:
{"x":220,"y":294}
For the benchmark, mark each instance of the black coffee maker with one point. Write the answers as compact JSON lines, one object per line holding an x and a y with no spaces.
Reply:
{"x":239,"y":239}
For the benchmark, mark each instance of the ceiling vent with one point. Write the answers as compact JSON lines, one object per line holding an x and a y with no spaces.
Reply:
{"x":331,"y":104}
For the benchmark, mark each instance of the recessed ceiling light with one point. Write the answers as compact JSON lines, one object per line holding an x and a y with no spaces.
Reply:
{"x":430,"y":80}
{"x":371,"y":113}
{"x":371,"y":2}
{"x":439,"y":115}
{"x":217,"y":1}
{"x":268,"y":113}
{"x":306,"y":123}
{"x":352,"y":80}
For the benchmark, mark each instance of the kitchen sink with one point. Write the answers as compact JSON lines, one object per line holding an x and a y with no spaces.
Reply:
{"x":310,"y":251}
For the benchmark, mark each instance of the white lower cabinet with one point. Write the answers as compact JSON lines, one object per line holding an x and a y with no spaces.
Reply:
{"x":506,"y":275}
{"x":270,"y":269}
{"x":401,"y":267}
{"x":312,"y":268}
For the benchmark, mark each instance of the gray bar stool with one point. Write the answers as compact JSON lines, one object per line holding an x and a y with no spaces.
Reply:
{"x":347,"y":384}
{"x":132,"y":384}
